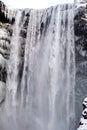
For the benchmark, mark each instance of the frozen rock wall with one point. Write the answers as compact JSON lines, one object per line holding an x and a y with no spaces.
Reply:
{"x":5,"y":38}
{"x":81,"y":57}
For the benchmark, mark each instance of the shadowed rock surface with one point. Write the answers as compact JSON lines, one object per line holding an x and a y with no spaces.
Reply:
{"x":3,"y":13}
{"x":80,"y":21}
{"x":5,"y":38}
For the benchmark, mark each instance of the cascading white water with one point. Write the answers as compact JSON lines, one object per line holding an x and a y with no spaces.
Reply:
{"x":12,"y":83}
{"x":46,"y":96}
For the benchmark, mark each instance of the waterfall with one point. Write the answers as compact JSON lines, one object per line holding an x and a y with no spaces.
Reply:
{"x":12,"y":81}
{"x":40,"y":84}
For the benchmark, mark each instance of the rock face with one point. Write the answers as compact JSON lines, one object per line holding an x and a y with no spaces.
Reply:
{"x":2,"y":91}
{"x":5,"y":37}
{"x":3,"y":13}
{"x":4,"y":56}
{"x":81,"y":57}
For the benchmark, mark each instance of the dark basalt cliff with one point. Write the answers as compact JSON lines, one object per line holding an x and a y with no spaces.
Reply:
{"x":5,"y":38}
{"x":3,"y":13}
{"x":80,"y":22}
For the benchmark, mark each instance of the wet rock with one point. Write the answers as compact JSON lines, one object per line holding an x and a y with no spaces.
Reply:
{"x":82,"y":68}
{"x":79,"y":12}
{"x":10,"y":31}
{"x":6,"y":15}
{"x":3,"y":75}
{"x":12,"y":21}
{"x":4,"y":43}
{"x":2,"y":91}
{"x":81,"y":28}
{"x":26,"y":22}
{"x":84,"y":113}
{"x":3,"y":13}
{"x":5,"y":38}
{"x":80,"y":22}
{"x":41,"y":27}
{"x":81,"y":46}
{"x":23,"y":33}
{"x":85,"y":104}
{"x":3,"y":62}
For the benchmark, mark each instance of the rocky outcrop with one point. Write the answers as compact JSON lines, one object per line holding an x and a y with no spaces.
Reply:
{"x":2,"y":92}
{"x":6,"y":15}
{"x":81,"y":31}
{"x":81,"y":57}
{"x":5,"y":38}
{"x":3,"y":13}
{"x":83,"y":120}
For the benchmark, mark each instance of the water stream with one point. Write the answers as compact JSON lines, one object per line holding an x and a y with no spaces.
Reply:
{"x":43,"y":98}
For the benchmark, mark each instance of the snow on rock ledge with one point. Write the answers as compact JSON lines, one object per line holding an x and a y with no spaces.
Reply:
{"x":83,"y":120}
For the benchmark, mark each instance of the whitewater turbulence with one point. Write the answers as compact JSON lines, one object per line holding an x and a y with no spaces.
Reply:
{"x":40,"y":83}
